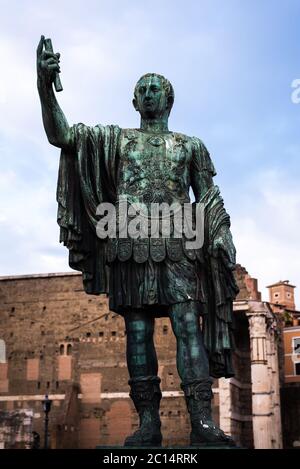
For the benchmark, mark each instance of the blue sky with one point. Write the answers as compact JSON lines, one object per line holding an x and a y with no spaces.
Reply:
{"x":231,"y":64}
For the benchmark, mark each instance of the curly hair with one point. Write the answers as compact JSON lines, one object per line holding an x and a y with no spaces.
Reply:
{"x":166,"y":85}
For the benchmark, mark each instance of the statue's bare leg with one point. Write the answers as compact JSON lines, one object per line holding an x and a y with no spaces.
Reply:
{"x":144,"y":382}
{"x":140,"y":351}
{"x":192,"y":359}
{"x":193,"y":369}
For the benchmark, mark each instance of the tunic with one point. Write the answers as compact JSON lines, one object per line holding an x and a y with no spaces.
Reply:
{"x":106,"y":164}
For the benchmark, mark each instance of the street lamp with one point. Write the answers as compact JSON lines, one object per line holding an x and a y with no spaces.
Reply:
{"x":47,"y":407}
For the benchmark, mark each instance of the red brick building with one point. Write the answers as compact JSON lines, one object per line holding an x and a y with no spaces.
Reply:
{"x":282,"y":300}
{"x":281,"y":297}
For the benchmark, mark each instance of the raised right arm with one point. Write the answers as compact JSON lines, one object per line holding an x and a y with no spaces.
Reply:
{"x":55,"y":123}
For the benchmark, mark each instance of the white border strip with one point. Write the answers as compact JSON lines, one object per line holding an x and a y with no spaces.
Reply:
{"x":103,"y":395}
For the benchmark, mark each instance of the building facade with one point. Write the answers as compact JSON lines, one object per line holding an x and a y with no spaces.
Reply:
{"x":281,"y":299}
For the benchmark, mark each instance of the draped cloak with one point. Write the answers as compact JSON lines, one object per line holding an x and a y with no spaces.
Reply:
{"x":88,"y":177}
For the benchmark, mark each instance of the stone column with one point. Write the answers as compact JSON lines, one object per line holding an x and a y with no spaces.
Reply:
{"x":275,"y":385}
{"x":261,"y":386}
{"x":225,"y":405}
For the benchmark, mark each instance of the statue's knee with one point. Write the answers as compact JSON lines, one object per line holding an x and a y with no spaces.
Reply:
{"x":139,"y":331}
{"x":185,"y":326}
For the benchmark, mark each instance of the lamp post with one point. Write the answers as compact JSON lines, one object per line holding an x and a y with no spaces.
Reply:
{"x":47,"y":407}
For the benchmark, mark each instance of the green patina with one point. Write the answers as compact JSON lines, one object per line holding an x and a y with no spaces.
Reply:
{"x":147,"y":277}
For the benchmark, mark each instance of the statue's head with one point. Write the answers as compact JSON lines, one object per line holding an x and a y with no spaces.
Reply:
{"x":153,"y":96}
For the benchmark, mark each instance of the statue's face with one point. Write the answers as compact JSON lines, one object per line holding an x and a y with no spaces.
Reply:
{"x":151,"y":100}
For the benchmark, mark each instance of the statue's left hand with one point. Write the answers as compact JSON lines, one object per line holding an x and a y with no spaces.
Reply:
{"x":223,"y":247}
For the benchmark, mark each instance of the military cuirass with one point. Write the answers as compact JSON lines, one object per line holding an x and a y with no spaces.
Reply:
{"x":153,"y":169}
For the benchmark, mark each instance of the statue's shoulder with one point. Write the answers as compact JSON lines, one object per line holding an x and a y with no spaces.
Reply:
{"x":183,"y":137}
{"x":202,"y":156}
{"x":97,"y":129}
{"x":129,"y":133}
{"x":183,"y":140}
{"x":196,"y":143}
{"x":199,"y":144}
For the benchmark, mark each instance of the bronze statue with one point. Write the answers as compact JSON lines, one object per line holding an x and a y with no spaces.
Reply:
{"x":147,"y":277}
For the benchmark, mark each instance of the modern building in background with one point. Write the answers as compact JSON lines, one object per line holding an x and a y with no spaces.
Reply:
{"x":56,"y":340}
{"x":281,"y":297}
{"x":282,"y":300}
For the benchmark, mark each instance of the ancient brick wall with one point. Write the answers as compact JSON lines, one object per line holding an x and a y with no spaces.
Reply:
{"x":60,"y":341}
{"x":55,"y":336}
{"x":248,"y":286}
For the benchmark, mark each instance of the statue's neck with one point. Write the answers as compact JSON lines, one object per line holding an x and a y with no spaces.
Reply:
{"x":155,"y":125}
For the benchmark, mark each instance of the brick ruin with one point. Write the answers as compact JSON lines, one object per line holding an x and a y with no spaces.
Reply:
{"x":55,"y":339}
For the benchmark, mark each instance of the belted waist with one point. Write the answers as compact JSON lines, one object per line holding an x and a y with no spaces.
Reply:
{"x":157,"y":249}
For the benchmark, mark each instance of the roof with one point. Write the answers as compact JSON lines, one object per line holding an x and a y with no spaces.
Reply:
{"x":281,"y":282}
{"x":29,"y":276}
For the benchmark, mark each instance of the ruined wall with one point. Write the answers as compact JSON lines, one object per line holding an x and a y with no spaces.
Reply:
{"x":56,"y":337}
{"x":16,"y":429}
{"x":60,"y":341}
{"x":248,"y":286}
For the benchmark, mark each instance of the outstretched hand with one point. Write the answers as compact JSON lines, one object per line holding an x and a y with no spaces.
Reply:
{"x":47,"y":63}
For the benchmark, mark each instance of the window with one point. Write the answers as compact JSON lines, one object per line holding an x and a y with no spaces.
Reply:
{"x":276,"y":295}
{"x":170,"y":379}
{"x":296,"y":345}
{"x":62,"y":349}
{"x":69,"y":349}
{"x":113,"y":333}
{"x":165,"y":330}
{"x":297,"y":369}
{"x":288,"y":294}
{"x":101,"y":334}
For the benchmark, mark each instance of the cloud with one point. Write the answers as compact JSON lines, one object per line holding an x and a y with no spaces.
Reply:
{"x":232,"y":89}
{"x":28,"y":230}
{"x":266,"y":229}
